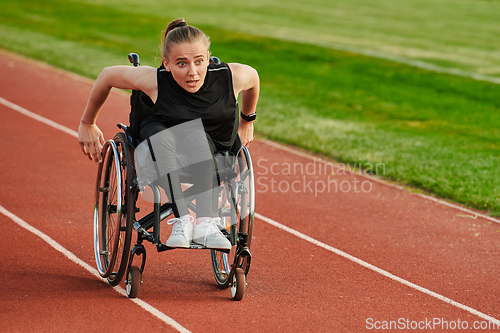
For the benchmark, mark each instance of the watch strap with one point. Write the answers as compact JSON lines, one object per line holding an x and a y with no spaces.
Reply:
{"x":250,"y":117}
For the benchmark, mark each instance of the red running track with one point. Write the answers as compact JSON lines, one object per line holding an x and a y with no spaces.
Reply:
{"x":294,"y":285}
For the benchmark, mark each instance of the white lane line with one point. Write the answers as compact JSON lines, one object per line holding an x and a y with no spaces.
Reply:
{"x":35,"y":116}
{"x":155,"y":312}
{"x":375,"y":179}
{"x":375,"y":269}
{"x":339,"y":252}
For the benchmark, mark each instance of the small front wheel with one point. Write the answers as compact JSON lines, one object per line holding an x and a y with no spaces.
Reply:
{"x":238,"y":285}
{"x":134,"y":282}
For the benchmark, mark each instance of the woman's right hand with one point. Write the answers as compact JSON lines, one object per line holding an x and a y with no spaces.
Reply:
{"x":91,"y":141}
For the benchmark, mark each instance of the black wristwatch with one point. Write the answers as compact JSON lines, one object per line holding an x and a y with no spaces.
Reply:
{"x":250,"y":117}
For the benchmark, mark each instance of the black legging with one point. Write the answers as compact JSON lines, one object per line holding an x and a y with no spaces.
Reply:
{"x":182,"y":150}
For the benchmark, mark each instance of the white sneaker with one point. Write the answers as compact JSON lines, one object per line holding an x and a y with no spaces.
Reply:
{"x":207,"y":233}
{"x":182,"y":231}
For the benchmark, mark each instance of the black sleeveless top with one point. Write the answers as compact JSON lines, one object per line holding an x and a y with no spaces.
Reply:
{"x":214,"y":103}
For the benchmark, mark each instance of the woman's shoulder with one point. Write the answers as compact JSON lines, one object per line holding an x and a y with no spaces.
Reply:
{"x":241,"y":71}
{"x":243,"y":76}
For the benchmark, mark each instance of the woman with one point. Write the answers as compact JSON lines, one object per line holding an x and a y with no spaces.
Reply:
{"x":183,"y":89}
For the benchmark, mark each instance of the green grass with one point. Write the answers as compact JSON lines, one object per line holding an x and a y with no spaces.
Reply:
{"x":432,"y":131}
{"x":450,"y":33}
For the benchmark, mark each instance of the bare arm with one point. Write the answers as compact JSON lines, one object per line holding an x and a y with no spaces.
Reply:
{"x":246,"y":81}
{"x":123,"y":77}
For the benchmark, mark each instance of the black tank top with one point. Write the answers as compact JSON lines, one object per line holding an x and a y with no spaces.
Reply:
{"x":214,"y":103}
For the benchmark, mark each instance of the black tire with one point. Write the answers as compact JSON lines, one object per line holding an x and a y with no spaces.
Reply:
{"x":114,"y":209}
{"x":134,"y":282}
{"x":236,"y":203}
{"x":105,"y":254}
{"x":238,"y":285}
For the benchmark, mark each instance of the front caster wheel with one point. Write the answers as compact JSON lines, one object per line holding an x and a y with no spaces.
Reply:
{"x":134,"y":282}
{"x":238,"y":284}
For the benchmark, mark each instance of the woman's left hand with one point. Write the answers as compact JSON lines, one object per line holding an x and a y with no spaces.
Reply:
{"x":245,"y":131}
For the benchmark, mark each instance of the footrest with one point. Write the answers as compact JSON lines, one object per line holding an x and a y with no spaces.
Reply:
{"x":195,"y":246}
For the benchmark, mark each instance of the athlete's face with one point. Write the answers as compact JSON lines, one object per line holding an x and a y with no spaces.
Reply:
{"x":188,"y":64}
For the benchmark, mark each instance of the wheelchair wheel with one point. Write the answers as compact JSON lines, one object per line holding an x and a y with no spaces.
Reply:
{"x":134,"y":282}
{"x":236,"y":208}
{"x":114,"y":209}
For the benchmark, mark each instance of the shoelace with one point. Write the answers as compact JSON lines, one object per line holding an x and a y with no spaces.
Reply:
{"x":217,"y":221}
{"x":212,"y":228}
{"x":179,"y":224}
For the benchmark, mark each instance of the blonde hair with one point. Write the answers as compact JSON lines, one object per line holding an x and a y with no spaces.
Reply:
{"x":178,"y":31}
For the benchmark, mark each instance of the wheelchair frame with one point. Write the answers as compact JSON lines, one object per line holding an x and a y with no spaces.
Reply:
{"x":117,"y":191}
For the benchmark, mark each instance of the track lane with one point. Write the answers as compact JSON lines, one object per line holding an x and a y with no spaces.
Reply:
{"x":426,"y":243}
{"x":278,"y":274}
{"x":45,"y":292}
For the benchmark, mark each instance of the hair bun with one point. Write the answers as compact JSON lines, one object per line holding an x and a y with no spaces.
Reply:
{"x":177,"y":36}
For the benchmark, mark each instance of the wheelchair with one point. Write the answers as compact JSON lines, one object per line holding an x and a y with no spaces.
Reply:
{"x":117,"y":190}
